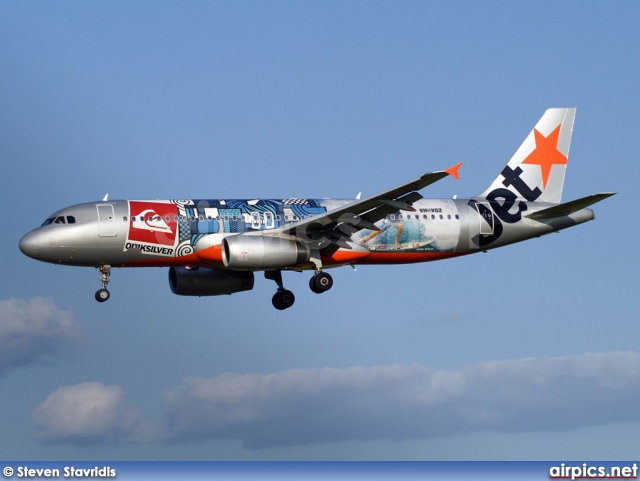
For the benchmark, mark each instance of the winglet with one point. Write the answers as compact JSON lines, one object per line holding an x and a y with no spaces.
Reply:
{"x":453,"y":171}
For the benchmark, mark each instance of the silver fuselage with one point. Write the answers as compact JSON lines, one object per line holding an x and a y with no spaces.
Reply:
{"x":125,"y":233}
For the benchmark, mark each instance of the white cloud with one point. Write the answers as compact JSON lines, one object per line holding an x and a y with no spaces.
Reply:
{"x":404,"y":402}
{"x":32,"y":330}
{"x":311,"y":406}
{"x":89,"y":412}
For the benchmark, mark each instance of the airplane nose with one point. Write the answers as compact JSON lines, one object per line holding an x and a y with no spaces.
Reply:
{"x":29,"y":245}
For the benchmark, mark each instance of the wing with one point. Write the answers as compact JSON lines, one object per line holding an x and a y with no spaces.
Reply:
{"x":333,"y":229}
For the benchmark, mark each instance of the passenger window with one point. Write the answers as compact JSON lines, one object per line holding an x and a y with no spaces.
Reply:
{"x":433,"y":216}
{"x":124,"y":219}
{"x":449,"y":216}
{"x":268,"y":220}
{"x":441,"y":217}
{"x":425,"y":216}
{"x":457,"y":216}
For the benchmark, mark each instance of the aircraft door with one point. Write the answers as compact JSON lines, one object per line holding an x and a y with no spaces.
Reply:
{"x":486,"y":218}
{"x":106,"y":220}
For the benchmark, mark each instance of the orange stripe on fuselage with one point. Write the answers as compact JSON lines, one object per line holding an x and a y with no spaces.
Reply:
{"x":345,"y":256}
{"x":390,"y":257}
{"x":212,"y":255}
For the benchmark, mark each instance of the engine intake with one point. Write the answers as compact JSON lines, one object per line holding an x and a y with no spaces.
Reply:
{"x":262,"y":252}
{"x":208,"y":282}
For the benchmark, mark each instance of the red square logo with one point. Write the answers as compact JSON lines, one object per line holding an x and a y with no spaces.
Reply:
{"x":153,"y":223}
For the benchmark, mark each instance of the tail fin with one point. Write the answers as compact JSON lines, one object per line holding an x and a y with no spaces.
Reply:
{"x":536,"y":171}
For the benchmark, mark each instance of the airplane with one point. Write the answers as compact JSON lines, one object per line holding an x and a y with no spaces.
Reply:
{"x":213,"y":246}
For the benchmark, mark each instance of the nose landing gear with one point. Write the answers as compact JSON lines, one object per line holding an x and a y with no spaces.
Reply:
{"x":103,"y":294}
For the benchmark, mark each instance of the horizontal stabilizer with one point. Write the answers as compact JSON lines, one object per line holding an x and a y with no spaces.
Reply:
{"x":568,"y":208}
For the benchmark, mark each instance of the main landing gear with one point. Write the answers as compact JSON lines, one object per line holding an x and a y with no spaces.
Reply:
{"x":284,"y":298}
{"x":320,"y":282}
{"x":103,"y":294}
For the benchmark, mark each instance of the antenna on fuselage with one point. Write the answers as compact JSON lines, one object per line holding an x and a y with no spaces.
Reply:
{"x":106,"y":198}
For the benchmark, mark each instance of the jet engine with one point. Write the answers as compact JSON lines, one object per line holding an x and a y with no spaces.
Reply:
{"x":262,"y":252}
{"x":203,"y":281}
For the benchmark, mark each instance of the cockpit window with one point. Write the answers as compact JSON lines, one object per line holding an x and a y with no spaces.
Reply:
{"x":59,"y":220}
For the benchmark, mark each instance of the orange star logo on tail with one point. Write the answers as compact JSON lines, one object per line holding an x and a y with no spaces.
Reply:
{"x":546,"y":153}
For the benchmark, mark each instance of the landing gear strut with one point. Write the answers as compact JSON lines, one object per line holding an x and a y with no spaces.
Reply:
{"x":283,"y":299}
{"x":103,"y":294}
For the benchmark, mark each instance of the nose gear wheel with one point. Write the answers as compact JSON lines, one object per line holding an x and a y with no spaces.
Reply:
{"x":103,"y":294}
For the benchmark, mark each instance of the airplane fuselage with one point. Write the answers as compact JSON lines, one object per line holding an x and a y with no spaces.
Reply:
{"x":125,"y":233}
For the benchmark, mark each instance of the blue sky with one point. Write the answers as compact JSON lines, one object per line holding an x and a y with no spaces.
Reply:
{"x":526,"y":352}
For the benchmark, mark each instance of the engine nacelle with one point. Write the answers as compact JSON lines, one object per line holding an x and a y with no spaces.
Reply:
{"x":262,"y":252}
{"x":208,"y":282}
